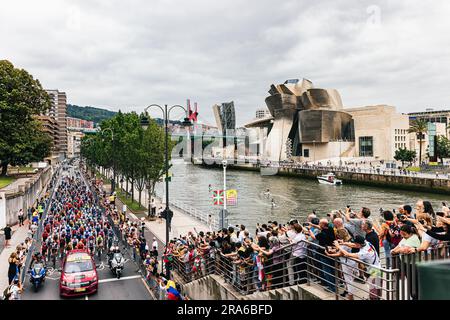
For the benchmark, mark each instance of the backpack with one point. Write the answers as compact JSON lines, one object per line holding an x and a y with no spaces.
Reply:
{"x":393,"y":235}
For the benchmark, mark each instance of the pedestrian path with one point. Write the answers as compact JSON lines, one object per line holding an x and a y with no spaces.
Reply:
{"x":17,"y":238}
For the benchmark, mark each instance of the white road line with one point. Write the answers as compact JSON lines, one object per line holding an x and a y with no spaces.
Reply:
{"x":115,"y":279}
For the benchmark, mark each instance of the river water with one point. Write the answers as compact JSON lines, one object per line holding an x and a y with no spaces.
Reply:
{"x":293,"y":197}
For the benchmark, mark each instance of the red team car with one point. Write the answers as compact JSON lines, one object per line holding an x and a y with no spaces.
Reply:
{"x":78,"y":274}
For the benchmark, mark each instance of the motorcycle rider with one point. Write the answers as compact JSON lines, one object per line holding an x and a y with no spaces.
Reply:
{"x":113,"y":250}
{"x":37,"y":258}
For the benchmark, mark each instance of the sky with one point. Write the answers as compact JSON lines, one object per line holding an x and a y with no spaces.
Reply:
{"x":129,"y":54}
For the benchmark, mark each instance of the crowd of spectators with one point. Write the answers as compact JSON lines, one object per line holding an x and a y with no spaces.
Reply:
{"x":276,"y":255}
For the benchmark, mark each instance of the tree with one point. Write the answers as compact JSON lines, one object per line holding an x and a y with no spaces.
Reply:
{"x":404,"y":155}
{"x":419,"y":127}
{"x":22,"y":98}
{"x":443,"y":147}
{"x":152,"y":168}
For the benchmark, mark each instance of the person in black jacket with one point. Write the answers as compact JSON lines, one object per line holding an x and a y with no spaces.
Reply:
{"x":326,"y":238}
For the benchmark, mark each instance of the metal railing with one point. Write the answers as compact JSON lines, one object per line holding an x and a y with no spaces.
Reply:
{"x":353,"y":169}
{"x":194,"y":267}
{"x":286,"y":267}
{"x":408,"y":284}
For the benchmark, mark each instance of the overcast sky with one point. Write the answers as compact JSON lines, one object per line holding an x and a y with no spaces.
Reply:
{"x":128,"y":54}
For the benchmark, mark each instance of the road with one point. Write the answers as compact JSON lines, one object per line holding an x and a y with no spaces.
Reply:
{"x":131,"y":286}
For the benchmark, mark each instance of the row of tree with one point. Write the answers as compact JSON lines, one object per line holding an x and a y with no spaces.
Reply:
{"x":22,"y":99}
{"x":134,"y":153}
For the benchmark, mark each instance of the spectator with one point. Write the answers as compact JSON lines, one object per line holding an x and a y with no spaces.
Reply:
{"x":13,"y":270}
{"x":354,"y":224}
{"x":409,"y":240}
{"x":155,"y":243}
{"x":389,"y":234}
{"x":21,"y":217}
{"x":326,"y":238}
{"x":371,"y":235}
{"x":299,"y":254}
{"x":369,"y":256}
{"x":7,"y":231}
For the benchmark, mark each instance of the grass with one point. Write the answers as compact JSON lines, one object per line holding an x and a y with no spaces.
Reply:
{"x":16,"y":170}
{"x":4,"y":181}
{"x":132,"y":205}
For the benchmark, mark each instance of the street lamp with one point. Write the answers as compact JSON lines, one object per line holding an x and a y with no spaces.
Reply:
{"x":113,"y":181}
{"x":224,"y":211}
{"x":144,"y":124}
{"x":314,"y":151}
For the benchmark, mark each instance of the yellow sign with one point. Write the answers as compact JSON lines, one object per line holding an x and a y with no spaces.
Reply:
{"x":433,"y":163}
{"x":232,"y":197}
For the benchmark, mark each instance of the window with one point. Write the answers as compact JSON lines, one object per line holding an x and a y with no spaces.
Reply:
{"x":306,"y":153}
{"x":366,"y":146}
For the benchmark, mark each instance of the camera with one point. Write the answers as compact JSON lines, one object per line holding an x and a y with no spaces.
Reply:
{"x":422,"y":222}
{"x":401,"y":217}
{"x":305,"y":224}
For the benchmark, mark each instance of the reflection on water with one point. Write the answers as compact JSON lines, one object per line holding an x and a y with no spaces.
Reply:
{"x":293,"y":197}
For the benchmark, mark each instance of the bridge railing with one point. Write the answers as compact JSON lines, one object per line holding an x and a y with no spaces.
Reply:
{"x":286,"y":266}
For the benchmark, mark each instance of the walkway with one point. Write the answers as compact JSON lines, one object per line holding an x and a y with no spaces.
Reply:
{"x":18,"y":237}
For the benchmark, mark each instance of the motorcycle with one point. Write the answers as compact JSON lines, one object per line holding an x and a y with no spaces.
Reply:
{"x":117,"y":264}
{"x":37,"y":275}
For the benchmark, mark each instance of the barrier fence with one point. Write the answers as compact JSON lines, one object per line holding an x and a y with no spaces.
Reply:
{"x":38,"y":234}
{"x":286,"y":266}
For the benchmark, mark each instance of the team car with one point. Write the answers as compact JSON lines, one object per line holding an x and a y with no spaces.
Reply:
{"x":78,"y":274}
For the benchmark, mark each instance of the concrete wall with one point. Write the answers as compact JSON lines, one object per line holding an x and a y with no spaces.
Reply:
{"x":11,"y":201}
{"x":395,"y":182}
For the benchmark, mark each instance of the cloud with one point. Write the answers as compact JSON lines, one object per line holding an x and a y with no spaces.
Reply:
{"x":128,"y":54}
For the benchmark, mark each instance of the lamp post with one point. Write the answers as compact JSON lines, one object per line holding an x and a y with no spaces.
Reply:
{"x":113,"y":181}
{"x":314,"y":151}
{"x":224,"y":211}
{"x":145,"y":123}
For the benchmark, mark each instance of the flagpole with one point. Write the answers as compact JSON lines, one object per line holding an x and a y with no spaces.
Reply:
{"x":224,"y":211}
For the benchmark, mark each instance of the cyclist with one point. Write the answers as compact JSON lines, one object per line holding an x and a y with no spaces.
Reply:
{"x":100,"y":243}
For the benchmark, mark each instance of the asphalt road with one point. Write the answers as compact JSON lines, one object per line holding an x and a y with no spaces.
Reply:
{"x":131,"y":285}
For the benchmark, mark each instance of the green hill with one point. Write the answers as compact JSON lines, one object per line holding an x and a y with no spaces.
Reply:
{"x":89,"y":113}
{"x":98,"y":115}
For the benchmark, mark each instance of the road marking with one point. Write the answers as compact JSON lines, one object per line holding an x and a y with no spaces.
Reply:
{"x":148,"y":289}
{"x":115,"y":279}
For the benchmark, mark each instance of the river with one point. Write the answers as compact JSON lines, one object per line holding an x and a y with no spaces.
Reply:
{"x":293,"y":197}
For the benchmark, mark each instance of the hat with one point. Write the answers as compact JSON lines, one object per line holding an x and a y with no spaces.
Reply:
{"x":359,"y":240}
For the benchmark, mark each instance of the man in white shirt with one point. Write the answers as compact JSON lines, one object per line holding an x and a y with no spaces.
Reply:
{"x":155,"y":243}
{"x":367,"y":254}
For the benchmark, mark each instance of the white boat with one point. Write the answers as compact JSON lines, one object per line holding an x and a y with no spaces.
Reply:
{"x":330,"y":179}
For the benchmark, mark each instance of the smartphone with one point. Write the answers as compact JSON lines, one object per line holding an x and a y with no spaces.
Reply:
{"x":443,"y":203}
{"x":440,"y":214}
